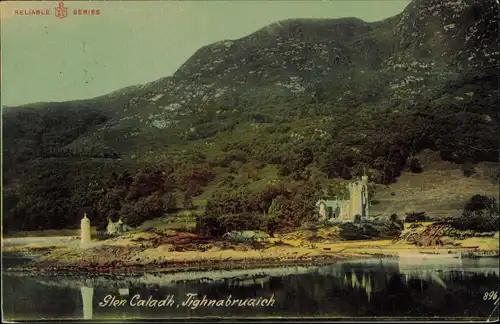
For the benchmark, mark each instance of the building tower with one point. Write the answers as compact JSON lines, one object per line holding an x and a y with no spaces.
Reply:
{"x":355,"y":199}
{"x":364,"y":194}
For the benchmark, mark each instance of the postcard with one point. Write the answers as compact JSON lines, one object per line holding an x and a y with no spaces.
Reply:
{"x":250,"y":160}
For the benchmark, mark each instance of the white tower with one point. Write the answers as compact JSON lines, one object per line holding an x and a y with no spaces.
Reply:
{"x":85,"y":232}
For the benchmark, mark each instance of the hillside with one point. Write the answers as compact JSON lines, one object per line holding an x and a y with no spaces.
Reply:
{"x":257,"y":128}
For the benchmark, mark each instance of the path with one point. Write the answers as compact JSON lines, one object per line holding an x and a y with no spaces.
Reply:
{"x":38,"y":240}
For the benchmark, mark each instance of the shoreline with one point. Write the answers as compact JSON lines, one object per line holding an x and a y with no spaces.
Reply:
{"x":42,"y":269}
{"x":173,"y":251}
{"x":44,"y":261}
{"x":177,"y":268}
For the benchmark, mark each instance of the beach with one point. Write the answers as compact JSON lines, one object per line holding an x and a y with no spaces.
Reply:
{"x":172,"y":251}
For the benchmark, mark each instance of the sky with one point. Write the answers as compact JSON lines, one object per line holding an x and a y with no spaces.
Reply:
{"x":46,"y":59}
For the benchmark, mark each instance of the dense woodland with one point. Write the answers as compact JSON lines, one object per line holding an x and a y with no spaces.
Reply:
{"x":60,"y":183}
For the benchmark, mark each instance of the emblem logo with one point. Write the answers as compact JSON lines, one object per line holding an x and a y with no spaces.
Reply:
{"x":61,"y":10}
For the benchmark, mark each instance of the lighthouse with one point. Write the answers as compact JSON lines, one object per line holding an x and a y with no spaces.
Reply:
{"x":85,"y":232}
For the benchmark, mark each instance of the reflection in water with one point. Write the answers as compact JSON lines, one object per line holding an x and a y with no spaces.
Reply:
{"x":123,"y":292}
{"x":87,"y":298}
{"x":396,"y":288}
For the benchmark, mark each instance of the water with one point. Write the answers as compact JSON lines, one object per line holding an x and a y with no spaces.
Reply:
{"x":387,"y":288}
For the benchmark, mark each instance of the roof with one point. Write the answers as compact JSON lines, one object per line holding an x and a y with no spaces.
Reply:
{"x":331,"y":203}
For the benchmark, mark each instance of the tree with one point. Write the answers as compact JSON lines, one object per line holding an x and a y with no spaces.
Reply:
{"x":170,"y":202}
{"x":337,"y":190}
{"x":416,"y":217}
{"x":415,"y":165}
{"x":187,"y":203}
{"x":480,"y":213}
{"x":467,"y":168}
{"x":480,"y":202}
{"x":264,"y":206}
{"x":278,"y":207}
{"x":143,"y":209}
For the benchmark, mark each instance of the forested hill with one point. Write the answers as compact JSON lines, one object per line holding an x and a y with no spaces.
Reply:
{"x":305,"y":99}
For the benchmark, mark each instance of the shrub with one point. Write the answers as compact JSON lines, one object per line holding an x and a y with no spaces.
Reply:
{"x":218,"y":226}
{"x":467,"y":168}
{"x":415,"y":225}
{"x":234,"y":166}
{"x":208,"y":225}
{"x":480,"y":202}
{"x":370,"y":231}
{"x":284,"y":171}
{"x":187,"y":202}
{"x":241,"y":222}
{"x":495,"y":177}
{"x":101,"y":236}
{"x":458,"y":234}
{"x":142,"y":210}
{"x":480,"y":214}
{"x":416,"y":166}
{"x":350,"y":231}
{"x":390,"y":230}
{"x":170,"y":202}
{"x":416,"y":217}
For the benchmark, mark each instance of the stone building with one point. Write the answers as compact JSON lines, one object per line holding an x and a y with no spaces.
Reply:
{"x":117,"y":227}
{"x":346,"y":210}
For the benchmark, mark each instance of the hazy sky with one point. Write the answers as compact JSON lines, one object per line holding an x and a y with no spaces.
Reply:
{"x":132,"y":42}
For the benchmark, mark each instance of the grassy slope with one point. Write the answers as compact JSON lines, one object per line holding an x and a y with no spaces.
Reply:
{"x":440,"y":191}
